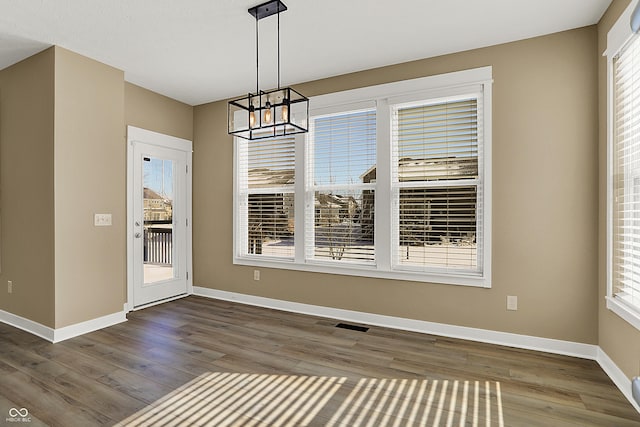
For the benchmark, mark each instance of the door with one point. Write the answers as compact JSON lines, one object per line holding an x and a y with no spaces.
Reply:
{"x":159,"y":210}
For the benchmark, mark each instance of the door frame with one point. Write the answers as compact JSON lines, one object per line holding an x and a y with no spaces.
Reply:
{"x":163,"y":141}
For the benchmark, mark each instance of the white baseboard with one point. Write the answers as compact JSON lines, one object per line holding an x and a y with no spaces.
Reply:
{"x":617,"y":376}
{"x":27,"y":325}
{"x":585,"y":351}
{"x":82,"y":328}
{"x":61,"y":334}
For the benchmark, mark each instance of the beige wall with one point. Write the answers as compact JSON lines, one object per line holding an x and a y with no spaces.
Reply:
{"x":617,"y":338}
{"x":62,"y":160}
{"x":93,"y":105}
{"x":148,"y":110}
{"x":26,"y":188}
{"x":90,"y":173}
{"x":545,"y":209}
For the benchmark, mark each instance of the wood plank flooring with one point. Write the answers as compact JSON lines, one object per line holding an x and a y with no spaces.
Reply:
{"x":198,"y":361}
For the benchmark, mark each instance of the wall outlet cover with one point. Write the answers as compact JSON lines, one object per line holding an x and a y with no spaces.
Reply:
{"x":102,"y":220}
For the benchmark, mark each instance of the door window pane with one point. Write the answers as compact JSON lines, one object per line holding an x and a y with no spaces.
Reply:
{"x":158,"y":219}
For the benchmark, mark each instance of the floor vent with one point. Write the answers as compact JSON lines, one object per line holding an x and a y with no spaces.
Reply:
{"x":352,"y":327}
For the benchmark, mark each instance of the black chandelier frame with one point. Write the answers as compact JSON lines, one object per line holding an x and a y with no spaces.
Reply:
{"x":272,"y":113}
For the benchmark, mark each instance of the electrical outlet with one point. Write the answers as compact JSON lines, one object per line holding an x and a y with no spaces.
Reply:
{"x":102,"y":220}
{"x":512,"y":303}
{"x":10,"y":286}
{"x":256,"y":274}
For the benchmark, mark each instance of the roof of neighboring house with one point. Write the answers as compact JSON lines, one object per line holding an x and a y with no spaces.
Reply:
{"x":411,"y":169}
{"x":264,"y":177}
{"x":150,"y":194}
{"x":334,"y":200}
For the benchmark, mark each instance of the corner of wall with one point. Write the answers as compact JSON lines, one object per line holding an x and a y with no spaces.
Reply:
{"x":89,"y":174}
{"x":26,"y":188}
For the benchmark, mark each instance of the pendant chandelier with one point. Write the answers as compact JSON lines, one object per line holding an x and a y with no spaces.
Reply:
{"x":268,"y":114}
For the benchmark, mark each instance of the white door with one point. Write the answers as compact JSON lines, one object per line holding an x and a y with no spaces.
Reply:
{"x":159,"y":210}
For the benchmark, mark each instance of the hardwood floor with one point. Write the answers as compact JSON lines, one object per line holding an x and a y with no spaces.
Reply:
{"x":199,"y":361}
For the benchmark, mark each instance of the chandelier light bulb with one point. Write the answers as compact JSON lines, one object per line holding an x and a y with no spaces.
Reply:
{"x":252,"y":117}
{"x":267,"y":112}
{"x":285,"y":110}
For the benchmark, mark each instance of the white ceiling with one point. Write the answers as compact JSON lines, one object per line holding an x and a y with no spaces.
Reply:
{"x":199,"y":51}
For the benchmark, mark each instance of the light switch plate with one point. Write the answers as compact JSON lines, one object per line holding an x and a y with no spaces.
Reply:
{"x":102,"y":220}
{"x":512,"y":303}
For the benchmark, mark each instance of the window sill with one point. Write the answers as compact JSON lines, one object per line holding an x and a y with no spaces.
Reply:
{"x":367,"y":271}
{"x":624,"y":311}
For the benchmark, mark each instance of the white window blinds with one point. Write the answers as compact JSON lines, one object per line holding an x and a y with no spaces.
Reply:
{"x":266,"y":182}
{"x":342,"y":158}
{"x":436,"y":185}
{"x":392,"y":181}
{"x":626,"y":174}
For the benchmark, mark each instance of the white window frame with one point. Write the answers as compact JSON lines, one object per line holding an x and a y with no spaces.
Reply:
{"x":466,"y":92}
{"x":382,"y":97}
{"x":310,"y":190}
{"x":241,"y":196}
{"x":617,"y":38}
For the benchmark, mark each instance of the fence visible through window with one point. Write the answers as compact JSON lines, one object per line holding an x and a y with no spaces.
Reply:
{"x":158,"y":244}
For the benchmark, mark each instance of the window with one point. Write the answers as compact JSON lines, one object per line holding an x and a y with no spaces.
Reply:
{"x":266,"y":195}
{"x":435,"y":182}
{"x":624,"y":173}
{"x":341,"y":157}
{"x":626,"y":182}
{"x":391,"y":181}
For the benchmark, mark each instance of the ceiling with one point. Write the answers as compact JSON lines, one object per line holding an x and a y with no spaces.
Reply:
{"x":198,"y":51}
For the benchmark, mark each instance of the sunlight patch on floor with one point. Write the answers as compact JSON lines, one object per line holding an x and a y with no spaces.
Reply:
{"x":228,"y":399}
{"x":253,"y":400}
{"x":402,"y":402}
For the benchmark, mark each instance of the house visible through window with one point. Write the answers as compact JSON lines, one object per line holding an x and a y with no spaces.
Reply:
{"x":391,"y":181}
{"x":435,"y":183}
{"x":342,"y":153}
